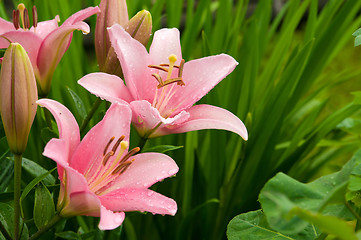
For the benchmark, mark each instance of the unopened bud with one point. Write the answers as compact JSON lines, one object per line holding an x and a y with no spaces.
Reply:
{"x":140,"y":27}
{"x":112,"y":11}
{"x":18,"y":96}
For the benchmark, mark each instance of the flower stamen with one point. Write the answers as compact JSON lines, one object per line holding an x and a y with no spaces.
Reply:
{"x":16,"y":19}
{"x":35,"y":17}
{"x":163,"y":67}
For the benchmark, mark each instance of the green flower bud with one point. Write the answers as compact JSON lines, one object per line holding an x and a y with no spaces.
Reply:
{"x":18,"y":97}
{"x":140,"y":27}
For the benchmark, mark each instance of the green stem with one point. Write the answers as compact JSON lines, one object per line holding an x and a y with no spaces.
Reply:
{"x":4,"y":232}
{"x":47,"y":115}
{"x":17,"y":188}
{"x":356,"y":214}
{"x":46,"y":228}
{"x":90,"y":114}
{"x":142,"y":142}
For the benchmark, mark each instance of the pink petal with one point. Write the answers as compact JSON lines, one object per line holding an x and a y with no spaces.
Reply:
{"x":52,"y":50}
{"x":57,"y":150}
{"x":134,"y":60}
{"x":81,"y":203}
{"x":138,"y":199}
{"x":147,"y":169}
{"x":81,"y":15}
{"x":200,"y":76}
{"x":146,"y":118}
{"x":29,"y":40}
{"x":45,"y":27}
{"x":207,"y":117}
{"x":106,"y":86}
{"x":165,"y":42}
{"x":116,"y":123}
{"x":110,"y":220}
{"x":6,"y":26}
{"x":67,"y":125}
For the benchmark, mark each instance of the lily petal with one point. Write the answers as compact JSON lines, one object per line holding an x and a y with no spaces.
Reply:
{"x":146,"y":169}
{"x":139,"y":199}
{"x":81,"y":203}
{"x":165,"y":42}
{"x":110,"y":220}
{"x":67,"y":125}
{"x":116,"y":123}
{"x":58,"y":150}
{"x":6,"y":26}
{"x":200,"y":76}
{"x":45,"y":27}
{"x":106,"y":86}
{"x":52,"y":50}
{"x":29,"y":40}
{"x":134,"y":60}
{"x":81,"y":15}
{"x":207,"y":117}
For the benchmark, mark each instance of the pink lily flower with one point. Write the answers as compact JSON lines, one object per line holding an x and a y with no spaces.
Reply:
{"x":98,"y":175}
{"x":45,"y":42}
{"x":161,"y":88}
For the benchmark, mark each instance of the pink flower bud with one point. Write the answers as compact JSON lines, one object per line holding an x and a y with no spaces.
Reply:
{"x":18,"y":96}
{"x":112,"y":11}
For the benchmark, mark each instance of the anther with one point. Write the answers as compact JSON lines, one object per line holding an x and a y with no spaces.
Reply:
{"x":26,"y":19}
{"x":122,"y":167}
{"x":106,"y":157}
{"x":106,"y":147}
{"x":129,"y":154}
{"x":16,"y":15}
{"x":35,"y":17}
{"x":116,"y":145}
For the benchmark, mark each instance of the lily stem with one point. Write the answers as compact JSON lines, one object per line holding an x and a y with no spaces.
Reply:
{"x":47,"y":115}
{"x":142,"y":142}
{"x":90,"y":114}
{"x":46,"y":228}
{"x":17,"y":188}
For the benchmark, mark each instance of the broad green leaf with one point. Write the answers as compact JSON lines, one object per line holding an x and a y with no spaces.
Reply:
{"x":7,"y":220}
{"x":253,"y":226}
{"x":328,"y":224}
{"x":162,"y":148}
{"x":43,"y":207}
{"x":357,"y":41}
{"x":36,"y":170}
{"x":351,"y":125}
{"x":281,"y":194}
{"x":32,"y":184}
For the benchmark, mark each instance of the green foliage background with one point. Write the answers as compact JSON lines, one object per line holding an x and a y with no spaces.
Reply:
{"x":292,"y":88}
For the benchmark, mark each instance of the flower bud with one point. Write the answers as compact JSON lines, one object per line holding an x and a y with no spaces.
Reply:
{"x":140,"y":27}
{"x":18,"y":97}
{"x":112,"y":11}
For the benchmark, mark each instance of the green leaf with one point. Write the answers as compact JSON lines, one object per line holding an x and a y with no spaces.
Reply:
{"x":32,"y":184}
{"x":328,"y":224}
{"x":35,"y":170}
{"x":162,"y":148}
{"x":254,"y":226}
{"x":282,"y":194}
{"x":44,"y":209}
{"x":357,"y":41}
{"x":7,"y":171}
{"x":357,"y":32}
{"x":350,"y":125}
{"x":78,"y":103}
{"x":68,"y":235}
{"x":7,"y":220}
